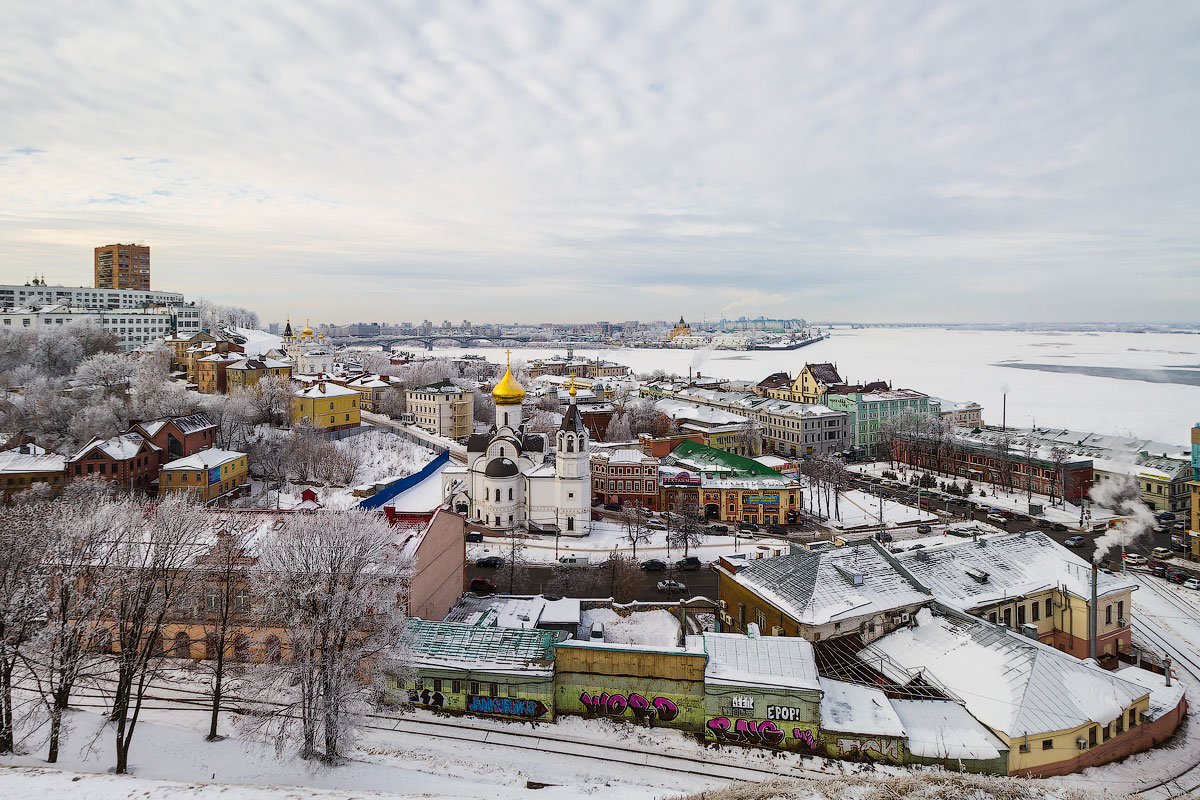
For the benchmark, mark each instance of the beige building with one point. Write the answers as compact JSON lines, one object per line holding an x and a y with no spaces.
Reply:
{"x":442,"y":409}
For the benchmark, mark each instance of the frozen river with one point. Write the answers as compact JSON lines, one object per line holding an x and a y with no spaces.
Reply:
{"x":1144,"y":384}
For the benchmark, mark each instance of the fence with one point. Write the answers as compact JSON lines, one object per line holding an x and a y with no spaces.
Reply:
{"x":390,"y":491}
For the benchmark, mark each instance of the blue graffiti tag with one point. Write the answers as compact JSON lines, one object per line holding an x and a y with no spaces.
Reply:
{"x":509,"y":706}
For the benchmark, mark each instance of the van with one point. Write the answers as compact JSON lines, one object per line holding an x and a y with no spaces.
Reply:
{"x":474,"y":536}
{"x":580,"y":561}
{"x":1160,"y":552}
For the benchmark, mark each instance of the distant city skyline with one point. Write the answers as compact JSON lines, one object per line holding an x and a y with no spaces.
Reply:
{"x":1023,"y":162}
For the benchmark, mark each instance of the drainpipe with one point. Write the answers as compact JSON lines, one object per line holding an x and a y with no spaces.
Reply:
{"x":1093,"y":615}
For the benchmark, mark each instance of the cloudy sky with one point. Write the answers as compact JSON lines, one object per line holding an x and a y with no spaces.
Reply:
{"x":562,"y":161}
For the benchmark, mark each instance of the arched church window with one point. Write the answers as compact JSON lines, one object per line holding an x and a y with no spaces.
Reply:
{"x":571,"y":445}
{"x":505,"y":417}
{"x":510,"y":494}
{"x":497,"y":495}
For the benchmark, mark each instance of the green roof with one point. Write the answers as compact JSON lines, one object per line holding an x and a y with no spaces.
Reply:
{"x":459,"y":641}
{"x":710,"y":459}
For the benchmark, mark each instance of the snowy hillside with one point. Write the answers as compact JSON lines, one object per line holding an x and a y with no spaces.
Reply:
{"x":258,"y":342}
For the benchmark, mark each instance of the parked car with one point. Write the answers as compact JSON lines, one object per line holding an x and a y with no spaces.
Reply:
{"x":1074,"y":541}
{"x":777,"y":529}
{"x":1166,"y":516}
{"x":1192,"y":583}
{"x":654,"y":565}
{"x":672,"y":587}
{"x":1008,"y":514}
{"x":1180,"y":526}
{"x":996,"y":519}
{"x":612,"y":506}
{"x":1159,"y":570}
{"x":719,"y":528}
{"x":1177,"y":576}
{"x":883,"y":536}
{"x":655,"y":525}
{"x":596,"y":516}
{"x":747,"y":526}
{"x":574,"y":561}
{"x":1178,"y":547}
{"x":1135,"y":559}
{"x":474,"y":536}
{"x":482,"y":586}
{"x":691,"y":562}
{"x":1160,"y":552}
{"x":1047,"y":525}
{"x":924,"y":528}
{"x":490,"y":562}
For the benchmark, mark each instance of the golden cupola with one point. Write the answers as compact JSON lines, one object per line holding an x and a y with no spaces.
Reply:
{"x":508,"y":392}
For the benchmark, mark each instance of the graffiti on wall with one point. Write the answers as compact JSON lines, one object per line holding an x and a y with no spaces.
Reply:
{"x":888,"y":748}
{"x":615,"y":705}
{"x":426,"y":698}
{"x":749,"y":731}
{"x":509,"y":706}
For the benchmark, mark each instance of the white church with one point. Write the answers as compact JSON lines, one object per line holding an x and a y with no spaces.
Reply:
{"x":509,"y":483}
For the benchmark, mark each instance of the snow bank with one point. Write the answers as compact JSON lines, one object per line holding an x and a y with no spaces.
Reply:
{"x":659,"y":628}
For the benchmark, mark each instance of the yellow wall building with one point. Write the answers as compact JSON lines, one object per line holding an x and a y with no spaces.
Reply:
{"x":327,"y":406}
{"x":22,"y":467}
{"x":681,"y":329}
{"x":248,"y":371}
{"x":208,"y":474}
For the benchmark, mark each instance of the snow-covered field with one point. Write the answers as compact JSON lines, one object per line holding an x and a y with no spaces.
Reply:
{"x":607,"y":536}
{"x":967,"y":365}
{"x":857,"y":509}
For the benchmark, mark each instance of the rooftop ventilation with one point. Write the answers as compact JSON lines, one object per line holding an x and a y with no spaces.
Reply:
{"x":978,"y":575}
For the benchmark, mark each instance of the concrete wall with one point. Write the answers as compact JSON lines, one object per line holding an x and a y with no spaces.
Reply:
{"x":776,"y":718}
{"x":512,"y":696}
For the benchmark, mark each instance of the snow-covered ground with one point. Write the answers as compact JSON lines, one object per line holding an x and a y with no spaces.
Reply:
{"x":259,"y":342}
{"x":608,"y":536}
{"x":1011,"y":501}
{"x":857,"y":509}
{"x":382,"y":455}
{"x":657,"y":627}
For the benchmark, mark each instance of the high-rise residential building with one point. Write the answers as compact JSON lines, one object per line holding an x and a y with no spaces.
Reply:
{"x":122,"y":266}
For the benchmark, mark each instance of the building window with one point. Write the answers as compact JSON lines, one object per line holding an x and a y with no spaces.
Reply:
{"x":1047,"y":744}
{"x":437,"y":684}
{"x":1133,"y":720}
{"x":474,"y":687}
{"x":456,"y":687}
{"x":1049,"y":608}
{"x":1108,"y":617}
{"x":493,"y":690}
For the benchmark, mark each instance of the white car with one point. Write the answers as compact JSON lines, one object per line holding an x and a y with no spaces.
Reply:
{"x":671,"y":586}
{"x":1135,"y":559}
{"x":1192,"y":583}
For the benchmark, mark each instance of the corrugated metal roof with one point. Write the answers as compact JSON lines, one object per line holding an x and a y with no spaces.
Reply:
{"x":484,"y":647}
{"x":760,"y":661}
{"x":944,"y":729}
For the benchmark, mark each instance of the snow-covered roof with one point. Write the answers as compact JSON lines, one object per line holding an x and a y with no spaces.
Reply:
{"x":1009,"y":682}
{"x":118,"y":448}
{"x":455,"y":645}
{"x":969,"y":574}
{"x":625,"y":456}
{"x":191,"y":423}
{"x":324,"y":389}
{"x":35,"y":459}
{"x":679,"y":410}
{"x":1163,"y":698}
{"x":205,"y":459}
{"x":259,"y":363}
{"x":772,"y":661}
{"x":944,"y":729}
{"x":853,"y":708}
{"x":512,"y":611}
{"x":816,"y":588}
{"x":656,"y":629}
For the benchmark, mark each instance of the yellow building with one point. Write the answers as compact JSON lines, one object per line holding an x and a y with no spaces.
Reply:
{"x":246,"y":372}
{"x":812,"y":383}
{"x":327,"y":406}
{"x":681,"y":329}
{"x":22,"y":467}
{"x":208,"y":474}
{"x":210,"y":372}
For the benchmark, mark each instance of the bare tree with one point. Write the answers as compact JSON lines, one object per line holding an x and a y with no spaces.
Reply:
{"x":111,"y":372}
{"x":689,"y":526}
{"x":618,"y":429}
{"x":624,"y":575}
{"x":24,"y":585}
{"x":337,"y":586}
{"x":749,"y":438}
{"x":151,"y":564}
{"x":1029,"y":450}
{"x":271,"y":398}
{"x":224,"y":592}
{"x":1058,"y":457}
{"x":636,"y":532}
{"x":81,"y":549}
{"x":392,"y":403}
{"x":516,"y":567}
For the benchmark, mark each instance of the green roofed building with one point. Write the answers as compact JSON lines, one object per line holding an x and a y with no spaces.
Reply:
{"x":504,"y":672}
{"x":727,"y":486}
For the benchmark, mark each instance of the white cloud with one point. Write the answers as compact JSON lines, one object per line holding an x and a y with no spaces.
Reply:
{"x":398,"y":163}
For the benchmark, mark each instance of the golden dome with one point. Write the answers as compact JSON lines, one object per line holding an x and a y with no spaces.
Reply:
{"x":571,"y":391}
{"x":307,"y":330}
{"x":508,"y":392}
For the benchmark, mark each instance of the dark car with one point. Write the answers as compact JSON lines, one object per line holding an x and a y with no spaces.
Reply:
{"x":1074,"y":541}
{"x":776,"y":529}
{"x":490,"y":562}
{"x":747,"y":526}
{"x":691,"y":562}
{"x":482,"y":586}
{"x":924,"y":528}
{"x":612,"y":506}
{"x":1047,"y":525}
{"x":654,"y":565}
{"x":883,"y":536}
{"x":1177,"y":575}
{"x":474,"y":536}
{"x":1166,"y":516}
{"x":719,"y":528}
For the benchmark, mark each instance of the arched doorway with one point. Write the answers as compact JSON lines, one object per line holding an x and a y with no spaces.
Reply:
{"x":241,"y":647}
{"x":712,"y":511}
{"x":274,"y":650}
{"x":183,"y":645}
{"x":211,"y":646}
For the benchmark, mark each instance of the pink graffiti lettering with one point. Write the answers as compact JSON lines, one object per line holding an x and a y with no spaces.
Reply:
{"x":802,"y":735}
{"x":615,"y":705}
{"x":746,"y":731}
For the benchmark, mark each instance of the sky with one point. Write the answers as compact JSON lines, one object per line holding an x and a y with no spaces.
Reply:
{"x":512,"y":161}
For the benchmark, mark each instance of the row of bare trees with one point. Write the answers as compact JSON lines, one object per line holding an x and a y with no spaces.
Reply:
{"x":91,"y":584}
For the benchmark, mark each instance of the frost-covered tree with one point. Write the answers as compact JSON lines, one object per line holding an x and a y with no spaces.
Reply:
{"x":111,"y":372}
{"x":687,"y":526}
{"x":337,"y":586}
{"x":271,"y":399}
{"x":151,"y":564}
{"x":618,"y":429}
{"x":633,"y":521}
{"x":223,"y":592}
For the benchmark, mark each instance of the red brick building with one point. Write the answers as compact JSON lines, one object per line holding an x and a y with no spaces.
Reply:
{"x":179,"y":436}
{"x":625,"y":477}
{"x":130,"y":461}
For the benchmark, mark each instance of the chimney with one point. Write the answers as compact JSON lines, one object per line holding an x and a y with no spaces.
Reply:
{"x":1093,"y":617}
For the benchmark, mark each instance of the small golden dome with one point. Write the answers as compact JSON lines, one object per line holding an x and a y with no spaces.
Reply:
{"x":571,"y":391}
{"x":307,"y":330}
{"x":508,"y":392}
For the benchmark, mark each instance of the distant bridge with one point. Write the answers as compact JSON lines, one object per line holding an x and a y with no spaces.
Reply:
{"x":429,"y":340}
